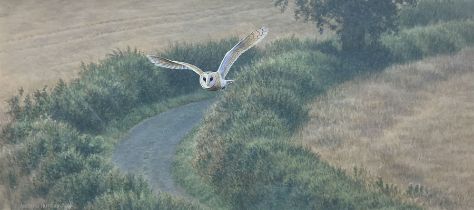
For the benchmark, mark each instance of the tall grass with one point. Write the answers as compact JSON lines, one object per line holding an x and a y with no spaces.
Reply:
{"x":61,"y":151}
{"x":195,"y":185}
{"x":242,"y":148}
{"x":418,"y":42}
{"x":111,"y":88}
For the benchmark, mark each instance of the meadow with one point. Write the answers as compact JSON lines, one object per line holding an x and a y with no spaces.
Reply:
{"x":410,"y":125}
{"x":247,"y":152}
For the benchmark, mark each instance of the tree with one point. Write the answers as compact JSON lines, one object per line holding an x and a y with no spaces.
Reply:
{"x":358,"y":23}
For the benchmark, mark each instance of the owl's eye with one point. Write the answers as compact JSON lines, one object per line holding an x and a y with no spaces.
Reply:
{"x":204,"y":78}
{"x":211,"y":79}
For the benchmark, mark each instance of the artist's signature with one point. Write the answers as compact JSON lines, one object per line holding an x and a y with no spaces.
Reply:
{"x":47,"y":206}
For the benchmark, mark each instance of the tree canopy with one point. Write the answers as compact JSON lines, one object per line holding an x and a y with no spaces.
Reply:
{"x":358,"y":23}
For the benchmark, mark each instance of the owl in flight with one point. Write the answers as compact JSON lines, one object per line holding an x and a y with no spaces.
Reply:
{"x":215,"y":80}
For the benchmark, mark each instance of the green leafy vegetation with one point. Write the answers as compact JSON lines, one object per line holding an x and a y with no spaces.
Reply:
{"x":358,"y":23}
{"x":418,"y":42}
{"x":186,"y":176}
{"x":434,"y":11}
{"x":243,"y":152}
{"x":244,"y":147}
{"x":64,"y":135}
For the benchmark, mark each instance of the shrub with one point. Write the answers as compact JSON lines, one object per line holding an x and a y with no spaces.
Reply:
{"x":420,"y":42}
{"x":129,"y":200}
{"x":83,"y":188}
{"x":266,"y":102}
{"x":57,"y":131}
{"x":242,"y":148}
{"x":48,"y":138}
{"x":124,"y":80}
{"x":433,"y":11}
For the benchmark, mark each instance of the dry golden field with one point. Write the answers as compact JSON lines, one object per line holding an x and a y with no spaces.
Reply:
{"x":43,"y":41}
{"x":411,"y":124}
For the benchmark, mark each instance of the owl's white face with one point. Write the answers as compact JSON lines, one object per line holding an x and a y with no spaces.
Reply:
{"x":208,"y":79}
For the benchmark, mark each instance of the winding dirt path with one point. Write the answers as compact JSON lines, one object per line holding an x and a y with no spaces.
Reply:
{"x":150,"y":146}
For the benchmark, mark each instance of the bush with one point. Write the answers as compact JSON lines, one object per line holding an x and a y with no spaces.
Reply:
{"x":48,"y":138}
{"x":84,"y":187}
{"x":420,"y":42}
{"x":129,"y":200}
{"x":124,"y":80}
{"x":433,"y":11}
{"x":242,"y":148}
{"x":57,"y":132}
{"x":279,"y":175}
{"x":266,"y":101}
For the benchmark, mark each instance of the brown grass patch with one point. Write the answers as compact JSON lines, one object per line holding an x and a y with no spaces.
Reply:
{"x":411,"y":124}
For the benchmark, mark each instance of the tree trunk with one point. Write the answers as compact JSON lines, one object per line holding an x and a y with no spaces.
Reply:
{"x":352,"y":38}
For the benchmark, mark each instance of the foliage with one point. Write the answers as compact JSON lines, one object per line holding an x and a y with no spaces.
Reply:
{"x":61,"y":154}
{"x":186,"y":176}
{"x":242,"y":149}
{"x":434,"y":11}
{"x":419,"y":42}
{"x":124,"y":200}
{"x":358,"y":23}
{"x":110,"y":89}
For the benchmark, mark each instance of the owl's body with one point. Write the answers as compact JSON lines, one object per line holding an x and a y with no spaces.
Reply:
{"x":214,"y":81}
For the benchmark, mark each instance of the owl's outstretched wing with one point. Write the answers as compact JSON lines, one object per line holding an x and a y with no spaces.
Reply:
{"x":169,"y":64}
{"x":243,"y":45}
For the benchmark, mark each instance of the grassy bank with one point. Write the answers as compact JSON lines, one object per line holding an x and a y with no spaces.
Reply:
{"x":194,"y":184}
{"x":64,"y":136}
{"x":418,"y":42}
{"x":242,"y":149}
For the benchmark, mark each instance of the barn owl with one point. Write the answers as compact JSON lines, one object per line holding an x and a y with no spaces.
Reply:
{"x":216,"y":80}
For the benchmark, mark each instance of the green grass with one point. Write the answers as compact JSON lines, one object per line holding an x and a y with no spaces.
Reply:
{"x":65,"y":135}
{"x":186,"y":176}
{"x":418,"y":42}
{"x":59,"y":155}
{"x":242,"y":148}
{"x":242,"y":152}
